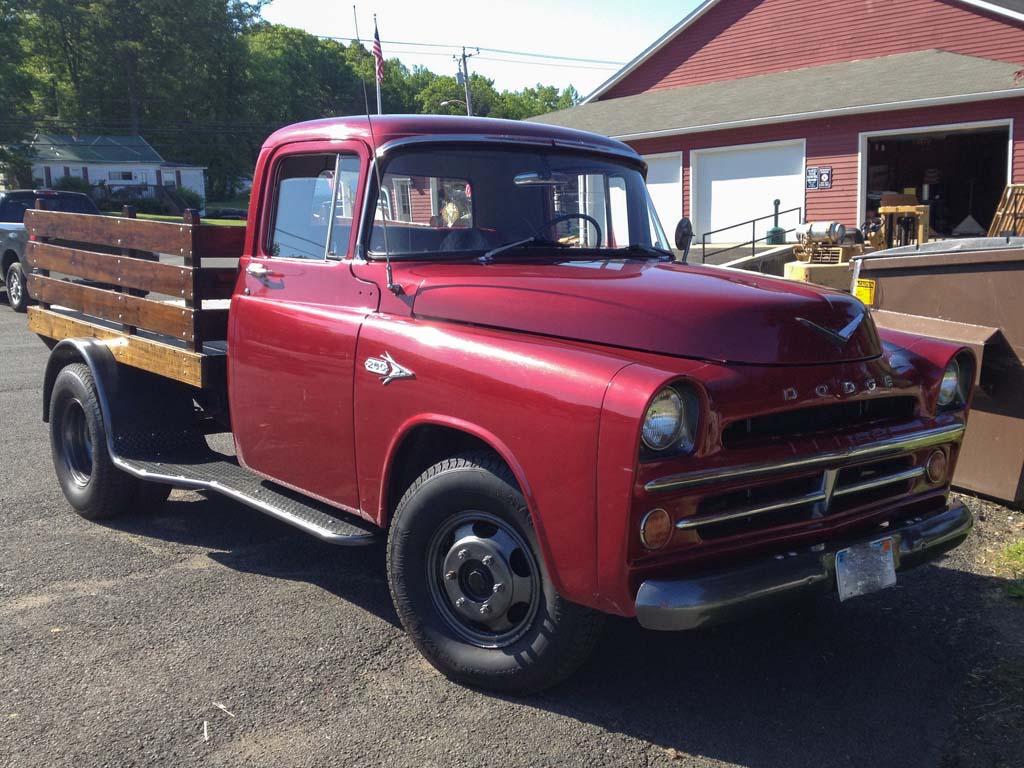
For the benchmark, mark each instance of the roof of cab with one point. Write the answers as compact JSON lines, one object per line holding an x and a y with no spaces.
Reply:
{"x":388,"y":128}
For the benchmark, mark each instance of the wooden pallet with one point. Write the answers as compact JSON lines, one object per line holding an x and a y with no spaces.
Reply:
{"x":140,"y":285}
{"x":1009,"y":216}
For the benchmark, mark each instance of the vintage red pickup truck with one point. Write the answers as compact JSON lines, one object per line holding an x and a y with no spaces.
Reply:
{"x":471,"y":336}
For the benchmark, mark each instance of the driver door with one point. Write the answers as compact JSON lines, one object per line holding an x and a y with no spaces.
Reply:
{"x":295,"y":324}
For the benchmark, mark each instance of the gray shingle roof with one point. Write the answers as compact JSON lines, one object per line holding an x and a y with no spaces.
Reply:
{"x":797,"y":94}
{"x":66,"y":148}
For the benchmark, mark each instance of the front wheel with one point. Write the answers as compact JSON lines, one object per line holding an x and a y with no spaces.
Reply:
{"x":17,"y":293}
{"x":471,"y":588}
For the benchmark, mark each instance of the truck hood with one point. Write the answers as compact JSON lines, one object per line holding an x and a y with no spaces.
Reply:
{"x":708,"y":313}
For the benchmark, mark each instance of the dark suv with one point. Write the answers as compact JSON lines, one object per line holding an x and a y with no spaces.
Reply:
{"x":13,"y":205}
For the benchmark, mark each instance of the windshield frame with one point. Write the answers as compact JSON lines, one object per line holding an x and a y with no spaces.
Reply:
{"x":395,"y":149}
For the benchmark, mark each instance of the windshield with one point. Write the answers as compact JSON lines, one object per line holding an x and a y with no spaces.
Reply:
{"x":471,"y":200}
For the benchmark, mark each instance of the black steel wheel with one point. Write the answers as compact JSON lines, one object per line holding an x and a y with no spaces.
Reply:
{"x":470,"y":585}
{"x":91,"y":482}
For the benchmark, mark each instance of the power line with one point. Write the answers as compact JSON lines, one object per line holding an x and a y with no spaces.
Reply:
{"x":529,"y":54}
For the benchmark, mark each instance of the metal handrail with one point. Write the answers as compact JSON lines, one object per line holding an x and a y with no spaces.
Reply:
{"x":753,"y":233}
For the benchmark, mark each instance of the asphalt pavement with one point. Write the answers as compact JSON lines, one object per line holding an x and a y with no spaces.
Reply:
{"x":202,"y":633}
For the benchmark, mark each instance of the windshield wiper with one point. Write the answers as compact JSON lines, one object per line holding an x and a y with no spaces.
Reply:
{"x":649,"y":250}
{"x":525,"y":242}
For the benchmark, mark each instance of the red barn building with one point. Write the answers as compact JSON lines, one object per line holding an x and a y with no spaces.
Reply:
{"x":824,"y":104}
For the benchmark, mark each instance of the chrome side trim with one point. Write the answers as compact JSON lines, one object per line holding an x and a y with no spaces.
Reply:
{"x":890,"y":446}
{"x":696,"y":522}
{"x":879,"y":482}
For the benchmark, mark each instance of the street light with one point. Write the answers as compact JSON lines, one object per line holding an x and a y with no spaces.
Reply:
{"x":448,"y":102}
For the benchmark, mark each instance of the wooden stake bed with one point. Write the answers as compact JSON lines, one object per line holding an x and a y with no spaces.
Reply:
{"x":149,"y":305}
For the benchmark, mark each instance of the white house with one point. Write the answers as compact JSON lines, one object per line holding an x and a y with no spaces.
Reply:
{"x":115,"y":161}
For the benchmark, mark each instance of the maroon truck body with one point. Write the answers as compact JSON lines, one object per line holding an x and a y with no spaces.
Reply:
{"x":348,"y":376}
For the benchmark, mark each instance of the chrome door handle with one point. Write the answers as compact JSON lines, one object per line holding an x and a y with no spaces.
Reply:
{"x":258,"y":271}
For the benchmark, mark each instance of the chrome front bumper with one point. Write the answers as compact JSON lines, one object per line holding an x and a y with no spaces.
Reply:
{"x":732,"y":593}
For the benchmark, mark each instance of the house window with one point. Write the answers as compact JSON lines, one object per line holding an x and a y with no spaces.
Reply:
{"x":403,"y":198}
{"x":121,"y":176}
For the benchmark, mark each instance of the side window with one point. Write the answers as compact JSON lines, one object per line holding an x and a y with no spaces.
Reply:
{"x":310,"y":189}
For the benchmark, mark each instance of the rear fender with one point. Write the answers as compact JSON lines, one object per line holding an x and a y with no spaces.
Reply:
{"x":132,"y":402}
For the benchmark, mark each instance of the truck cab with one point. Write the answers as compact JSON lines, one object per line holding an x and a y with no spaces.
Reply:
{"x":472,"y":337}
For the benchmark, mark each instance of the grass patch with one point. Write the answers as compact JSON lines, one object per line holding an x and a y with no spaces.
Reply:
{"x":177,"y":219}
{"x":1014,"y":557}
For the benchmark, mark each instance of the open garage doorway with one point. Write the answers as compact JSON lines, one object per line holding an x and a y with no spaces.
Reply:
{"x":958,"y":171}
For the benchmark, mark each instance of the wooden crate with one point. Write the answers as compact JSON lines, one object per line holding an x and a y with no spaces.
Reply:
{"x":113,"y":266}
{"x":1009,"y":216}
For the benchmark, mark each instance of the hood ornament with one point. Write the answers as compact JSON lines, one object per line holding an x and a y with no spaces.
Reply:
{"x":386,"y":367}
{"x":838,"y":338}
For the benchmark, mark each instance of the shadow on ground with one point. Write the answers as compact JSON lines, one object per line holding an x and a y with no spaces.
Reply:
{"x":872,"y":682}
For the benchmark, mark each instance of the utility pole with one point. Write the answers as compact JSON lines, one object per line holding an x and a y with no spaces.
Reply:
{"x":464,"y":74}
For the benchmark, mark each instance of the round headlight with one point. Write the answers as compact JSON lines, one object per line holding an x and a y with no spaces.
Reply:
{"x":950,"y":387}
{"x":663,"y":421}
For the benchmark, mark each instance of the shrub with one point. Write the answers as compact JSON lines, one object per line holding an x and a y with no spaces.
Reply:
{"x":72,"y":184}
{"x":192,"y":198}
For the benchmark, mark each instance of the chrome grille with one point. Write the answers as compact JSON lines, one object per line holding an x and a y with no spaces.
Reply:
{"x":815,"y":496}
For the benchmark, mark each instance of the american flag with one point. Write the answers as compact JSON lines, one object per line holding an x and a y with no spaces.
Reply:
{"x":378,"y":54}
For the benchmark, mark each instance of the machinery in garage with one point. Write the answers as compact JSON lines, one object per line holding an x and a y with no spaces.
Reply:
{"x":958,"y":173}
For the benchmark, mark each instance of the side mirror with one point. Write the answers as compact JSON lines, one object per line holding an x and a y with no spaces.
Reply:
{"x":684,"y":236}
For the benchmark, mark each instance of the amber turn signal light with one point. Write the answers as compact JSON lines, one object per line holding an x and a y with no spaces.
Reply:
{"x":936,"y":467}
{"x":655,"y":529}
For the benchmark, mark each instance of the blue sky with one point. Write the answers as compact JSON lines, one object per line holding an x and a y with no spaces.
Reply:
{"x":595,"y":29}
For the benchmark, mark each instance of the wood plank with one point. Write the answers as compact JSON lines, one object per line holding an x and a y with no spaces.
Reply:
{"x":122,"y":271}
{"x":193,"y":368}
{"x":169,"y":319}
{"x":113,"y":231}
{"x":218,"y":242}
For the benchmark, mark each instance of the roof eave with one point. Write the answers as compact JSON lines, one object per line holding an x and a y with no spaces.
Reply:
{"x":650,"y":50}
{"x":996,"y":9}
{"x":935,"y":101}
{"x":704,"y":7}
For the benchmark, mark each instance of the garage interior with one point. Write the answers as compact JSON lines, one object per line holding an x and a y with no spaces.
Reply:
{"x":958,"y":173}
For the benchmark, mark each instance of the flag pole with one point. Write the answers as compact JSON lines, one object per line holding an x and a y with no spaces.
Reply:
{"x":379,"y":70}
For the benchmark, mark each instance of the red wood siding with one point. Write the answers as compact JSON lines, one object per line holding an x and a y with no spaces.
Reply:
{"x":419,"y":194}
{"x":835,"y":142}
{"x":742,"y":38}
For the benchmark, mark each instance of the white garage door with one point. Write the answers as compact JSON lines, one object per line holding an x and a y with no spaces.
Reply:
{"x":665,"y":183}
{"x":740,"y":183}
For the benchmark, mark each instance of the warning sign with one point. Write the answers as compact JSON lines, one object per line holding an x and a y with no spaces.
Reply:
{"x":865,"y":291}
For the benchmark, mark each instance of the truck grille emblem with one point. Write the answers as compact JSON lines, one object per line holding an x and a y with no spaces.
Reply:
{"x":386,"y":367}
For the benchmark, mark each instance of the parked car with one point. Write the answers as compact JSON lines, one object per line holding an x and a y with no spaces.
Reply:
{"x":508,"y":375}
{"x":13,"y":205}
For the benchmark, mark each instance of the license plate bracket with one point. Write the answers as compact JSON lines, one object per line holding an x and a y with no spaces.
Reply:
{"x":865,"y":568}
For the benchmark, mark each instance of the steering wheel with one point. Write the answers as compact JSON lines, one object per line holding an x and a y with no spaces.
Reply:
{"x":568,"y":217}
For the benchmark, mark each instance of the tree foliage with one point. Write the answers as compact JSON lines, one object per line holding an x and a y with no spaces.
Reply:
{"x":204,"y":81}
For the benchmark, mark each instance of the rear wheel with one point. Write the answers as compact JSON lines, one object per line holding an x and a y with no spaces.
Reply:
{"x":17,"y":294}
{"x":91,"y":482}
{"x":471,"y":588}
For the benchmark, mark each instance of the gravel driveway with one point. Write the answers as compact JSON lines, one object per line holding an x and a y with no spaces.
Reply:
{"x":206,"y":634}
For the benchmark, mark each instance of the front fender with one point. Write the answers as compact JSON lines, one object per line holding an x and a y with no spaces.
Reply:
{"x":535,"y":401}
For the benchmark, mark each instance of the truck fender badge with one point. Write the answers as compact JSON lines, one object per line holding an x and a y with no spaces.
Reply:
{"x":386,"y":366}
